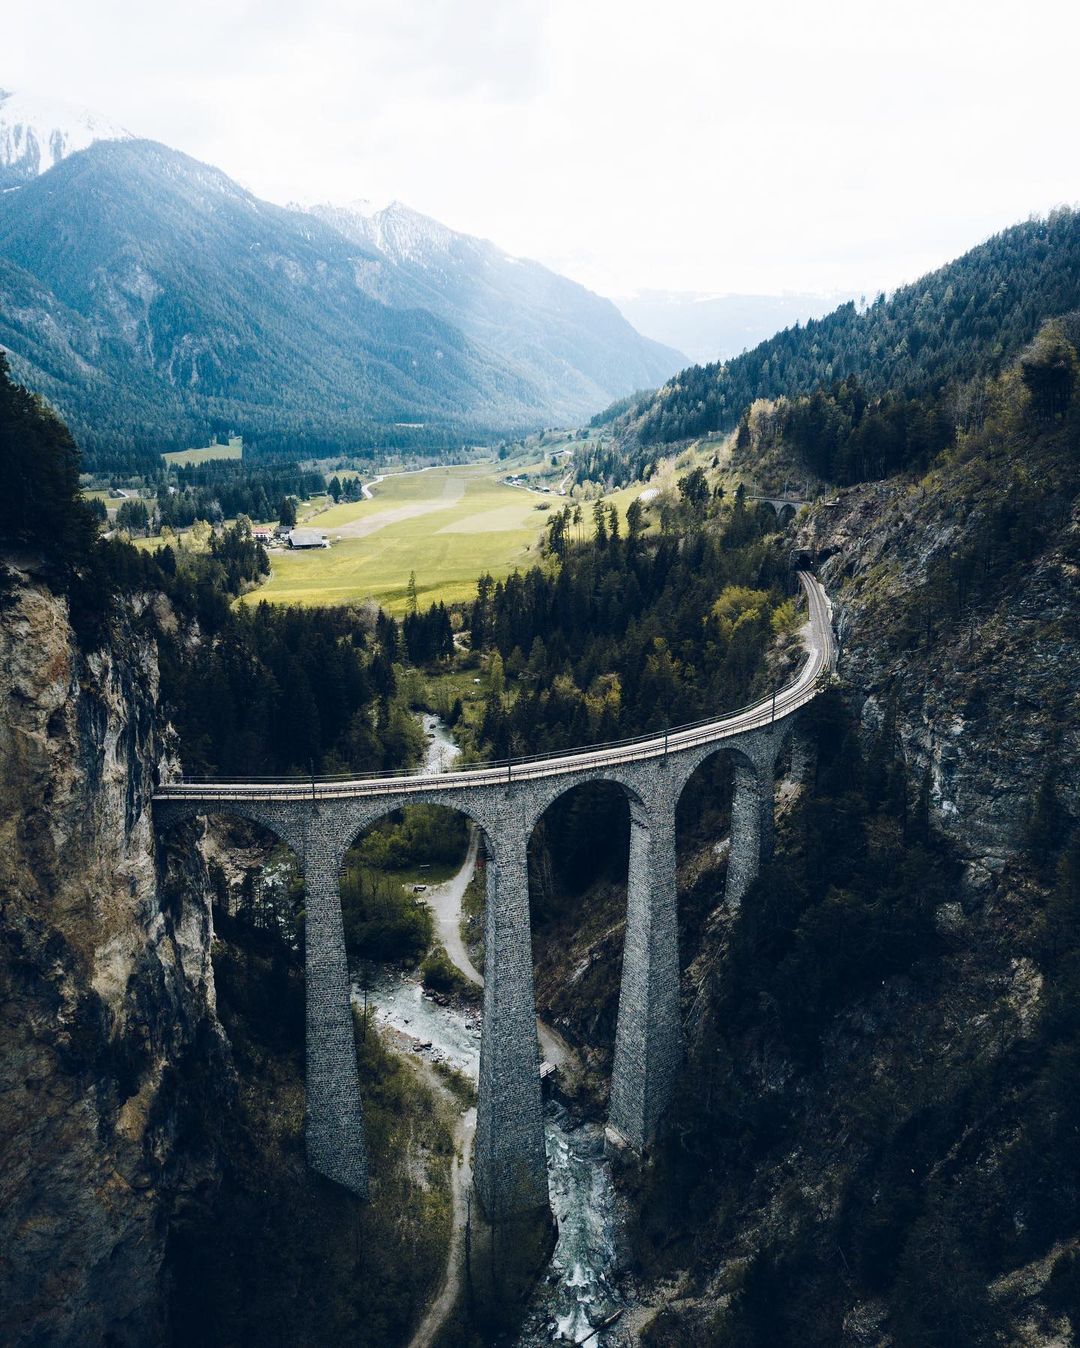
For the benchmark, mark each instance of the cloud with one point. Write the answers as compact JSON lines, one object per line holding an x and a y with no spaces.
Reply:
{"x":691,"y":145}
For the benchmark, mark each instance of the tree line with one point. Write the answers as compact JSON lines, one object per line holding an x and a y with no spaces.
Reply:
{"x":969,"y":319}
{"x":632,"y":634}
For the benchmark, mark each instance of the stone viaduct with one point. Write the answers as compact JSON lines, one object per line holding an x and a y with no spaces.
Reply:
{"x":320,"y":820}
{"x":780,"y":504}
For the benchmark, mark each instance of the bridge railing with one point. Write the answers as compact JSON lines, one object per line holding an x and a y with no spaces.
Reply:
{"x":520,"y":760}
{"x":652,"y":737}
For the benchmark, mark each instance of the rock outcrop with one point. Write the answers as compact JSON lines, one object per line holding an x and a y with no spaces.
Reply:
{"x":985,"y":701}
{"x":106,"y":984}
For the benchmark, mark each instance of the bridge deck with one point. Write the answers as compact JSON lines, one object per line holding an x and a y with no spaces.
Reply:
{"x":817,"y":637}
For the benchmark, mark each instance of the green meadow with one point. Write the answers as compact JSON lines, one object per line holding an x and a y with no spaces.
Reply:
{"x":181,"y":458}
{"x":448,"y":525}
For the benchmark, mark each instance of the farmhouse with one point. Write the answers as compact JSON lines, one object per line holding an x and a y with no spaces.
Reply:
{"x":262,"y":535}
{"x":307,"y":538}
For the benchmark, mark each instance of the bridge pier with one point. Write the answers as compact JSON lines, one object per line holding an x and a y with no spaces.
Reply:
{"x":648,"y":1035}
{"x":752,"y":815}
{"x":334,"y":1122}
{"x":510,"y":1168}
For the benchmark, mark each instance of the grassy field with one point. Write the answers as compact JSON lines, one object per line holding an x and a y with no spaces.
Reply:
{"x":180,"y":458}
{"x":447,"y":524}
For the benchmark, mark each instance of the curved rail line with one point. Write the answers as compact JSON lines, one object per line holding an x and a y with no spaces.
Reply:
{"x":817,"y":637}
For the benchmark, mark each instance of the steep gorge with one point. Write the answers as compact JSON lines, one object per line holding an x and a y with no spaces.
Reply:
{"x":152,"y":1099}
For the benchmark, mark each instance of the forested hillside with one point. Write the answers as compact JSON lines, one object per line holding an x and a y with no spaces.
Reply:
{"x":152,"y":1136}
{"x":634,"y":634}
{"x":968,"y":319}
{"x":155,"y":302}
{"x":151,"y":298}
{"x":875,"y":1137}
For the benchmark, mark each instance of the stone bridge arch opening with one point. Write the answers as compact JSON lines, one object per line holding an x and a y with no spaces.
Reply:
{"x":725,"y":820}
{"x":402,"y":879}
{"x":703,"y":836}
{"x":579,"y":859}
{"x":256,"y":868}
{"x":253,"y":870}
{"x":478,"y":832}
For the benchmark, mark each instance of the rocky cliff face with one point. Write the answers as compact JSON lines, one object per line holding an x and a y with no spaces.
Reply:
{"x":985,"y":699}
{"x":107,"y":985}
{"x":904,"y":1177}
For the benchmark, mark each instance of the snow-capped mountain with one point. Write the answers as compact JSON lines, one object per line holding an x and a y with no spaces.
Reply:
{"x":401,"y":233}
{"x":142,"y":288}
{"x":578,"y":344}
{"x":37,"y":132}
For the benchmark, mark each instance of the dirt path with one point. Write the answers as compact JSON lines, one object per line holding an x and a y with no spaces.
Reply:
{"x":460,"y":1183}
{"x":452,"y":492}
{"x":445,"y":903}
{"x":554,"y":1048}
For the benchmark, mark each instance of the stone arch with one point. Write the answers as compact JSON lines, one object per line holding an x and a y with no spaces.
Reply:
{"x":785,"y":513}
{"x":689,"y":761}
{"x":510,"y":1167}
{"x":647,"y":1033}
{"x":357,"y":823}
{"x":334,"y":1122}
{"x":170,"y":815}
{"x":346,"y":820}
{"x":541,"y":811}
{"x":754,"y":756}
{"x":283,"y":822}
{"x":543,"y":794}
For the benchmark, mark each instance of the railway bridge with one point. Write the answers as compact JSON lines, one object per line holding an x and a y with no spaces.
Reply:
{"x":780,"y":504}
{"x":321,"y":818}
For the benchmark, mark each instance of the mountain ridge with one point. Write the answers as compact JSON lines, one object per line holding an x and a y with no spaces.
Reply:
{"x":578,"y":342}
{"x":37,"y":132}
{"x":206,"y":308}
{"x":964,"y":319}
{"x":156,"y":301}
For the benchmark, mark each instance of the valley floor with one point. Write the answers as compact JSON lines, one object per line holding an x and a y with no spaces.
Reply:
{"x":448,"y":525}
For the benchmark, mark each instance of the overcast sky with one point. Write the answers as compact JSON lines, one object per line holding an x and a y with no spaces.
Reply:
{"x":759,"y":147}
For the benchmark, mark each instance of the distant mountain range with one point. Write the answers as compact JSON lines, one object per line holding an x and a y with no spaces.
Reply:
{"x":154,"y":301}
{"x":715,"y":327}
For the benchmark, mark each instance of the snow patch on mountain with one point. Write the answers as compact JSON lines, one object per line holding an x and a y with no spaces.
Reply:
{"x":396,"y":230}
{"x":37,"y":132}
